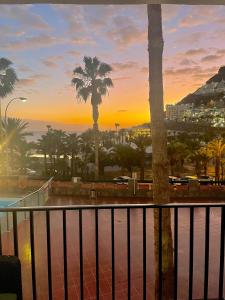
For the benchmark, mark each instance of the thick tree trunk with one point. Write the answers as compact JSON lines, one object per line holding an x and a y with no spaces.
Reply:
{"x":160,"y":164}
{"x":95,"y":128}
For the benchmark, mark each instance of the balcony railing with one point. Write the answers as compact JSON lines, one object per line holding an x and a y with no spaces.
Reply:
{"x":112,"y":247}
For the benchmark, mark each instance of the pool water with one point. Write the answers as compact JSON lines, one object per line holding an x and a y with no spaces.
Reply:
{"x":4,"y":202}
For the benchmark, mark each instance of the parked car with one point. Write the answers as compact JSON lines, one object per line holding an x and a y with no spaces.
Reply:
{"x":187,"y":179}
{"x":122,"y":179}
{"x":204,"y":179}
{"x":173,"y":179}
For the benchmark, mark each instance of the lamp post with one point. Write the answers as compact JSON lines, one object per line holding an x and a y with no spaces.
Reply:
{"x":23,"y":99}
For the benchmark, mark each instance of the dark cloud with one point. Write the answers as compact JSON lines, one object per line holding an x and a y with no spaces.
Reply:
{"x":187,"y":62}
{"x":211,"y":58}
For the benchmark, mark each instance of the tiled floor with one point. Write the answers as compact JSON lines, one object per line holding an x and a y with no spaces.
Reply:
{"x":105,"y":273}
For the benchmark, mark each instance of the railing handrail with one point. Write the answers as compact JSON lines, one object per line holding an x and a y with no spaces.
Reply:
{"x":33,"y":193}
{"x":112,"y":206}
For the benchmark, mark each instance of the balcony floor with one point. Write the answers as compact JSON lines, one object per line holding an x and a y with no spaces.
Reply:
{"x":105,"y":253}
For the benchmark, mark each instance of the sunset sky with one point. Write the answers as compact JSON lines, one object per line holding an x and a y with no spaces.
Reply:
{"x":46,"y":42}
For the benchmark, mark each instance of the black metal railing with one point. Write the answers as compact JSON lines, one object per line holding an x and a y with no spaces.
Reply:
{"x":128,"y":213}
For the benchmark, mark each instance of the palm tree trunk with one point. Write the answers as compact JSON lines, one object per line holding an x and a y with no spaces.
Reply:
{"x":159,"y":158}
{"x":95,"y":128}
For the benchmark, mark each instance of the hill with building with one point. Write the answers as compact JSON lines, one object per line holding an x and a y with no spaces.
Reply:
{"x":212,"y":93}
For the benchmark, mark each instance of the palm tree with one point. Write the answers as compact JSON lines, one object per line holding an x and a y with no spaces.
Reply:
{"x":217,"y":148}
{"x":15,"y":134}
{"x":8,"y":79}
{"x":92,"y":82}
{"x":159,"y":156}
{"x":141,"y":142}
{"x":177,"y":153}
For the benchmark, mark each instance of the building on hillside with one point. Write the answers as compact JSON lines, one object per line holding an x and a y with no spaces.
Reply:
{"x":178,"y":112}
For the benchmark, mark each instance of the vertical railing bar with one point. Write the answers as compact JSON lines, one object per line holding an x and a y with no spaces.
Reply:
{"x":175,"y":251}
{"x":65,"y":256}
{"x":160,"y":253}
{"x":144,"y":254}
{"x":32,"y":248}
{"x":49,"y":255}
{"x":97,"y":254}
{"x":113,"y":253}
{"x":221,"y":272}
{"x":0,"y":236}
{"x":15,"y":233}
{"x":81,"y":255}
{"x":128,"y":254}
{"x":206,"y":276}
{"x":191,"y":251}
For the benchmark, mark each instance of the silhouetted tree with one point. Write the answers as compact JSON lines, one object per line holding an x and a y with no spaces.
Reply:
{"x":92,"y":82}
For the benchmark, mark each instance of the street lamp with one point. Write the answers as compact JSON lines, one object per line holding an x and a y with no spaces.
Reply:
{"x":23,"y":99}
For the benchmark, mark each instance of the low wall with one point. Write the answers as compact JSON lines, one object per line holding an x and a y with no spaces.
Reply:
{"x":115,"y":190}
{"x":18,"y":186}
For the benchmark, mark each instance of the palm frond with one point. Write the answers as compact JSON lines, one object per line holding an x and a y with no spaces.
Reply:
{"x":78,"y":83}
{"x":4,"y":63}
{"x":108,"y":82}
{"x":84,"y":93}
{"x":79,"y":71}
{"x":104,"y":69}
{"x":8,"y":79}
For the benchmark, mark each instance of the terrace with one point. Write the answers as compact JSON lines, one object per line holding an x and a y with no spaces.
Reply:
{"x":107,"y":251}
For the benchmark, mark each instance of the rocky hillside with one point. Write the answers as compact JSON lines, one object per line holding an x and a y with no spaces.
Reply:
{"x":212,"y":93}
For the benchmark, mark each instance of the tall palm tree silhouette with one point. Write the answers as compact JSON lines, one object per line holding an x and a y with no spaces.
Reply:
{"x":92,"y":82}
{"x":8,"y":79}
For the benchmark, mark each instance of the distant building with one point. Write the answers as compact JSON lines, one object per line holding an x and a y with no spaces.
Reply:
{"x":178,"y":112}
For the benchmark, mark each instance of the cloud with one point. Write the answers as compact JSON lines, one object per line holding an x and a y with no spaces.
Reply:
{"x":195,"y":52}
{"x":125,"y":32}
{"x":211,"y":58}
{"x":182,"y":71}
{"x":190,"y":38}
{"x":31,"y":42}
{"x":74,"y":53}
{"x":24,"y":16}
{"x":169,"y":12}
{"x":201,"y":15}
{"x":52,"y":61}
{"x":187,"y":62}
{"x":78,"y":27}
{"x":31,"y":80}
{"x":7,"y":31}
{"x":124,"y":66}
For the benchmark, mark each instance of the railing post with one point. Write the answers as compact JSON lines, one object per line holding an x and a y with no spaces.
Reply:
{"x":7,"y":221}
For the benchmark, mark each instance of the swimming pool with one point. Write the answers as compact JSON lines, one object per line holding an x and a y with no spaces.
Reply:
{"x":5,"y":202}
